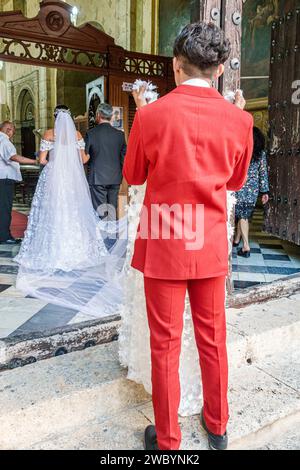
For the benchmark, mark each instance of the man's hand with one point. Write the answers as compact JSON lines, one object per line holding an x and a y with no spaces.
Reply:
{"x":265,"y":199}
{"x":23,"y":160}
{"x":33,"y":162}
{"x":240,"y":101}
{"x":139,"y":98}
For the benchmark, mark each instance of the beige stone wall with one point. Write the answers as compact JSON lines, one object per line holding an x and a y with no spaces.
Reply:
{"x":114,"y":16}
{"x":141,"y":25}
{"x":32,"y":8}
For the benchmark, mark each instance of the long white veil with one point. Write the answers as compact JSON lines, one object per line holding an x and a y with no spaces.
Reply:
{"x":69,"y":256}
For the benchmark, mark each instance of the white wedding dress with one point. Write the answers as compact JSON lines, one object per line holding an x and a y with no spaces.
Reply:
{"x":63,"y":258}
{"x":134,"y":337}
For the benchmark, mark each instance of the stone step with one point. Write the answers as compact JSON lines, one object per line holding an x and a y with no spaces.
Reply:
{"x":262,"y":329}
{"x":263,"y":399}
{"x":284,"y":434}
{"x":86,"y":394}
{"x":62,"y":393}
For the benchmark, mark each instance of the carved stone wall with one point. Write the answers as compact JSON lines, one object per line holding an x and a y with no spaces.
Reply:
{"x":41,"y":84}
{"x":112,"y":15}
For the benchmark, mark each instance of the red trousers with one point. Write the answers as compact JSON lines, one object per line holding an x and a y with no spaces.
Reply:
{"x":165,"y":306}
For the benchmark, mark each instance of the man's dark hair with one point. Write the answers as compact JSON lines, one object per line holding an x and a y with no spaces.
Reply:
{"x":259,"y":143}
{"x":60,"y":107}
{"x":202,"y":46}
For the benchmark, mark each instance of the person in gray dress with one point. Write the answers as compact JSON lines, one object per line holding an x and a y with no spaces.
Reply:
{"x":256,"y":184}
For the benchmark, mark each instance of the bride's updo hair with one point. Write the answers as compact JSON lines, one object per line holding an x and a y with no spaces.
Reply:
{"x":61,"y":108}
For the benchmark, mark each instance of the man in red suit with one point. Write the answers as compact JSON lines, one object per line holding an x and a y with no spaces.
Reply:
{"x":191,"y":146}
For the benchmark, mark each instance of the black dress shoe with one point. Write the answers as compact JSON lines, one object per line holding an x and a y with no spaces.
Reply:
{"x":236,"y":244}
{"x":215,"y":442}
{"x":150,"y":438}
{"x":244,"y":254}
{"x":12,"y":241}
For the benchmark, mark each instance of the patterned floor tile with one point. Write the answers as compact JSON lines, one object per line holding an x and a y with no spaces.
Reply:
{"x":250,"y":269}
{"x":295,"y":260}
{"x":6,"y":254}
{"x":272,"y":257}
{"x":8,"y":269}
{"x":7,"y":261}
{"x":47,"y":318}
{"x":245,"y":284}
{"x":79,"y":318}
{"x":11,"y":291}
{"x":280,"y":264}
{"x":282,"y":270}
{"x":254,"y":244}
{"x":7,"y":279}
{"x":4,"y":287}
{"x":255,"y":277}
{"x":15,"y":312}
{"x":272,"y":251}
{"x":273,"y":277}
{"x":255,"y":259}
{"x":274,"y":246}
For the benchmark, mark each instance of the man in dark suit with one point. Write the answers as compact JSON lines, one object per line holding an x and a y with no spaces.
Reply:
{"x":106,"y":147}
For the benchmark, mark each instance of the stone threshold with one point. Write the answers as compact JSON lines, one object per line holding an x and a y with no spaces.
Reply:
{"x":19,"y":351}
{"x":282,"y":287}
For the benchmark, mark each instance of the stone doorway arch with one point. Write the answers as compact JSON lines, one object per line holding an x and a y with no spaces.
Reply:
{"x":26,"y":122}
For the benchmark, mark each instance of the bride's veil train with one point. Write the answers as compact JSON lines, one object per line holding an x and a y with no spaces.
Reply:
{"x":65,"y":258}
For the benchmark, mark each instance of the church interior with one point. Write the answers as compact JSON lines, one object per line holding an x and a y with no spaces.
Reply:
{"x":30,"y":92}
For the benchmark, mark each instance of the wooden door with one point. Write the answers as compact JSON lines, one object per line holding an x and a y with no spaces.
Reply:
{"x":283,"y":219}
{"x":28,"y":141}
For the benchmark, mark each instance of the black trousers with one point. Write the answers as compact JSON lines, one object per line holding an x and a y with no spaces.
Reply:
{"x":6,"y":204}
{"x":105,"y":200}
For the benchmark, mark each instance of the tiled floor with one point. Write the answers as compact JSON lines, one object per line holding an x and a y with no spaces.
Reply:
{"x":270,"y":259}
{"x":20,"y":315}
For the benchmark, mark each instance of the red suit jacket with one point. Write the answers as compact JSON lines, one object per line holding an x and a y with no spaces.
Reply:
{"x":191,"y":146}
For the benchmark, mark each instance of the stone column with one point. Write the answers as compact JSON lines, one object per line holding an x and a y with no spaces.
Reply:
{"x":228,"y":15}
{"x":4,"y":109}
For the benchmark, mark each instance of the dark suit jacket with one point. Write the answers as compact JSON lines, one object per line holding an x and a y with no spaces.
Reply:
{"x":106,"y":147}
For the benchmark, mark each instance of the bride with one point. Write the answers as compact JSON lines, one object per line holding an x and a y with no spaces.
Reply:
{"x":63,"y":258}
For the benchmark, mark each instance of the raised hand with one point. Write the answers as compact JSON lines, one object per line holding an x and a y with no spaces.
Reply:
{"x":240,"y":101}
{"x":139,"y":97}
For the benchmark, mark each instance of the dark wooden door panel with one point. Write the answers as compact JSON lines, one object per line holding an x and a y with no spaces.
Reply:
{"x":284,"y":159}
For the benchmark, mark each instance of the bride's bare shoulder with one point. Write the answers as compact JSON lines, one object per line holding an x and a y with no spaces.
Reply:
{"x":79,"y":135}
{"x":49,"y":135}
